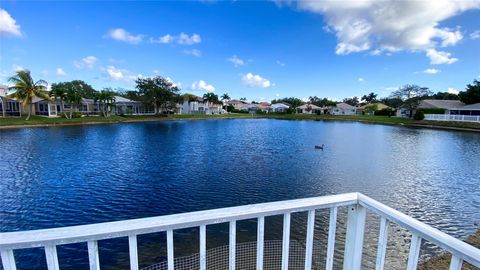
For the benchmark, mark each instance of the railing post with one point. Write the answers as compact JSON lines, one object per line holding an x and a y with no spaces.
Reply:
{"x":415,"y":245}
{"x":332,"y":230}
{"x":93,"y":259}
{"x":354,"y":239}
{"x":133,"y":252}
{"x":232,"y":244}
{"x":455,"y":263}
{"x":8,"y":260}
{"x":52,"y":257}
{"x":260,"y":239}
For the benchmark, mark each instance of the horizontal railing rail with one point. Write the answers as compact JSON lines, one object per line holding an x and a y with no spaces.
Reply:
{"x":357,"y":205}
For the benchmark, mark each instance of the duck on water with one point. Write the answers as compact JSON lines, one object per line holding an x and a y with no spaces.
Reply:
{"x":319,"y":146}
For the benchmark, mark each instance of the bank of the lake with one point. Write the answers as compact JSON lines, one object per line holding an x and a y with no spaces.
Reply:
{"x":39,"y":121}
{"x":442,"y":262}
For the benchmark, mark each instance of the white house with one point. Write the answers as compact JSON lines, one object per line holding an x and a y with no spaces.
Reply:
{"x":279,"y":107}
{"x":309,"y":109}
{"x":197,"y":105}
{"x":343,"y":109}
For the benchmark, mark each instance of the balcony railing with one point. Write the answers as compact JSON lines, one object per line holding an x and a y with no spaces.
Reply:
{"x":357,"y":204}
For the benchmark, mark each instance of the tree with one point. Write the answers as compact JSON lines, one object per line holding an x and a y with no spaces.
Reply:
{"x":370,"y":98}
{"x":292,"y":101}
{"x":411,"y":95}
{"x":351,"y":101}
{"x":243,"y":99}
{"x":392,"y":102}
{"x":445,"y":96}
{"x":85,"y":90}
{"x":225,"y":97}
{"x":59,"y":92}
{"x":26,"y":89}
{"x":159,"y":92}
{"x":74,"y":97}
{"x":105,"y":98}
{"x":211,"y":98}
{"x":321,"y":102}
{"x":471,"y":94}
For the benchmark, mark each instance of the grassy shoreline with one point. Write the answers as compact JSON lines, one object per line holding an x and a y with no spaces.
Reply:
{"x":39,"y":121}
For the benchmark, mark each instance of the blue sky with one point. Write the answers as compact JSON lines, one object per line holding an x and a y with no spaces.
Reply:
{"x":258,"y":50}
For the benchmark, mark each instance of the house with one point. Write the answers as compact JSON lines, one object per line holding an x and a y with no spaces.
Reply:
{"x":472,"y":109}
{"x":343,"y":109}
{"x":197,"y":105}
{"x":440,"y":104}
{"x":309,"y":109}
{"x":279,"y":107}
{"x":12,"y":107}
{"x":370,"y":109}
{"x":237,"y":104}
{"x":131,"y":107}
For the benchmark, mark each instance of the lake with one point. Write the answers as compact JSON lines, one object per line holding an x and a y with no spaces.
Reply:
{"x":63,"y":176}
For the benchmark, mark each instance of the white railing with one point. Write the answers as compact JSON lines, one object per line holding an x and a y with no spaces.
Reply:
{"x":357,"y":204}
{"x":452,"y":117}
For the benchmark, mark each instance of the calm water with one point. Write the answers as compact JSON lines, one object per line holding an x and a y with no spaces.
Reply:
{"x":53,"y":177}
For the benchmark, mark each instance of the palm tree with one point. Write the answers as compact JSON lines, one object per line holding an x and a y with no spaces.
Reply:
{"x":106,"y":98}
{"x":74,"y":97}
{"x":59,"y":92}
{"x":225,"y":97}
{"x":26,"y":89}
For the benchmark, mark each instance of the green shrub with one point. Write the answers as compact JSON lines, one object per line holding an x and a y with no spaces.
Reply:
{"x":419,"y":115}
{"x":384,"y":112}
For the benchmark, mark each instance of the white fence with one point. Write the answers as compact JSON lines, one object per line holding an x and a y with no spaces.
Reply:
{"x":452,"y":117}
{"x":357,"y":204}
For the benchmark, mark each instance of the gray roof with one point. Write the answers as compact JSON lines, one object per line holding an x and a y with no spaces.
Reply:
{"x":345,"y":106}
{"x":441,"y":104}
{"x":471,"y":107}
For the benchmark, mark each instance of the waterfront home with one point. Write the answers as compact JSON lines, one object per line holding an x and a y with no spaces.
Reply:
{"x":343,"y":109}
{"x":237,"y":104}
{"x":198,"y":105}
{"x":9,"y":107}
{"x":472,"y":109}
{"x":309,"y":109}
{"x":125,"y":106}
{"x":369,"y":109}
{"x":440,"y":104}
{"x":279,"y":107}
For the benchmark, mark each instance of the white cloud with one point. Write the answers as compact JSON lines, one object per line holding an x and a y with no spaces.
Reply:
{"x":185,"y":39}
{"x":390,"y":26}
{"x":475,"y":35}
{"x":115,"y":73}
{"x":236,"y":61}
{"x":255,"y":80}
{"x":280,"y":63}
{"x":360,"y":79}
{"x":431,"y":71}
{"x":193,"y":52}
{"x":8,"y":25}
{"x":182,"y":39}
{"x":61,"y":72}
{"x":452,"y":91}
{"x":202,"y":85}
{"x":86,"y":62}
{"x":439,"y":57}
{"x":122,"y":35}
{"x":163,"y":39}
{"x":176,"y":84}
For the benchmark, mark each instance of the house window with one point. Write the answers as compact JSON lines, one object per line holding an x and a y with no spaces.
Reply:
{"x":40,"y":107}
